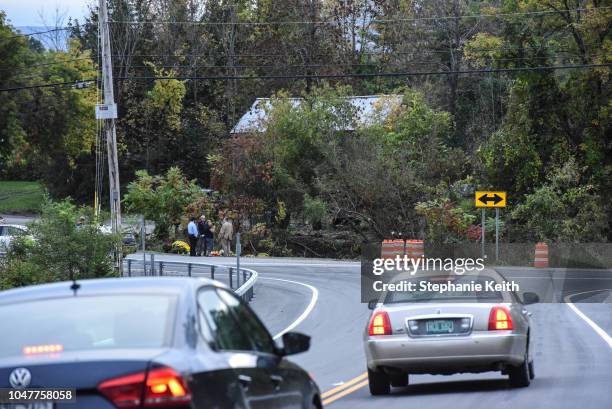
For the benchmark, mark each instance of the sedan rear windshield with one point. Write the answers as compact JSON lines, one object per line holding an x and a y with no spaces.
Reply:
{"x":85,"y":323}
{"x":460,"y":290}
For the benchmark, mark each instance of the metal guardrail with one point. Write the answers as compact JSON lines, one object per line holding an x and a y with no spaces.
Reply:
{"x":240,"y":280}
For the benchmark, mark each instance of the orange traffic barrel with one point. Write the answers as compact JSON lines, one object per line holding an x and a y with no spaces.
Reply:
{"x":415,"y":249}
{"x":392,"y":248}
{"x":541,"y":255}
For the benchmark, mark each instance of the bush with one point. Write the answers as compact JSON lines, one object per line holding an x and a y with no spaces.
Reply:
{"x":314,"y":211}
{"x":65,"y":243}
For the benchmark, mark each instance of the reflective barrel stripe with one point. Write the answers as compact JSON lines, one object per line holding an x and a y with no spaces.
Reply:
{"x":541,"y":255}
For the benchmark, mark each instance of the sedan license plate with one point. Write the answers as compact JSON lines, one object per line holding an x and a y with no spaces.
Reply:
{"x":439,"y":327}
{"x":35,"y":405}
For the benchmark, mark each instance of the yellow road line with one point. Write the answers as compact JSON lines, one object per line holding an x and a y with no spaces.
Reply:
{"x":345,"y":392}
{"x":344,"y":385}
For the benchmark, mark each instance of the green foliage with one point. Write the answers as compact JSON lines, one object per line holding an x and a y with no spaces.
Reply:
{"x":563,"y":209}
{"x":314,"y":211}
{"x":162,"y":199}
{"x":502,"y":130}
{"x":20,"y":197}
{"x":59,"y":246}
{"x":445,"y":223}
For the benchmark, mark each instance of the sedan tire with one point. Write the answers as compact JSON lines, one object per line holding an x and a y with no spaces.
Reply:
{"x":520,"y":375}
{"x":378,"y":382}
{"x":531,"y":371}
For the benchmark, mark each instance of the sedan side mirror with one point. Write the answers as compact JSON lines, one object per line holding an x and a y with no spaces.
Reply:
{"x":372,"y":304}
{"x":295,"y":342}
{"x":530,"y":298}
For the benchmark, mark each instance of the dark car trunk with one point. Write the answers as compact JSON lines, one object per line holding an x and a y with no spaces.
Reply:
{"x":82,"y":370}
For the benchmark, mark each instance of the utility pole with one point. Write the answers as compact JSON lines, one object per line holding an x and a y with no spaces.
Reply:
{"x":109,"y":115}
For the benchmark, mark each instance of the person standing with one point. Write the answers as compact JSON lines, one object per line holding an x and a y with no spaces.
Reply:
{"x":210,"y":237}
{"x":192,"y":232}
{"x":202,"y":226}
{"x":225,"y":235}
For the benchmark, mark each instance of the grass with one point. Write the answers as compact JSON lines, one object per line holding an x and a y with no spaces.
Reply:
{"x":20,"y":197}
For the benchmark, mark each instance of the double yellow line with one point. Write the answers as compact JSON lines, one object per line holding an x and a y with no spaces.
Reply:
{"x":346,"y":388}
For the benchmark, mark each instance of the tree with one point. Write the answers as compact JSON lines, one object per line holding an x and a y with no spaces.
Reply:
{"x":64,"y":243}
{"x":162,"y":199}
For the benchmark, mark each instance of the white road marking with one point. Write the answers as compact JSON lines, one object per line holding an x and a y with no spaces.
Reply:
{"x":607,"y":338}
{"x":307,"y":311}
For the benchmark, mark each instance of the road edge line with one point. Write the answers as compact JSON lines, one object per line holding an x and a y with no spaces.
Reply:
{"x":307,"y":311}
{"x":600,"y":331}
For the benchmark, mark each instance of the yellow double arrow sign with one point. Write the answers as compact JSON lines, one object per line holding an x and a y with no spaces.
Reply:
{"x":490,"y":199}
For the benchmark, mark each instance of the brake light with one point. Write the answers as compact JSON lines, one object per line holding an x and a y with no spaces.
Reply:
{"x":124,"y":392}
{"x":159,"y":387}
{"x":499,"y":319}
{"x":43,"y":349}
{"x":380,"y":324}
{"x":165,"y":387}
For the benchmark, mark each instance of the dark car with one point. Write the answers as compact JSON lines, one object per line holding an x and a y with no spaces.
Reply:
{"x":163,"y":342}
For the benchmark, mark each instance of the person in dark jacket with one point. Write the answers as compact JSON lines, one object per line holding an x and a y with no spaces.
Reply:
{"x":209,"y":235}
{"x":202,"y":225}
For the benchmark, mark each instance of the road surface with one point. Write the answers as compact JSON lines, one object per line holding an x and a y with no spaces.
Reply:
{"x":573,"y":362}
{"x":573,"y":347}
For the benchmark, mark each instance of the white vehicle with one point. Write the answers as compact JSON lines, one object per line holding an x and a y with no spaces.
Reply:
{"x":7,"y":233}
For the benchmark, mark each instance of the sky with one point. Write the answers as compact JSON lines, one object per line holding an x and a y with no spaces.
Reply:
{"x":23,"y":13}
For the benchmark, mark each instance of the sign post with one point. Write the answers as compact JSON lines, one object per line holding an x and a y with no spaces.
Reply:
{"x":143,"y":233}
{"x":482,"y":234}
{"x":484,"y":199}
{"x":496,"y":233}
{"x":238,"y":251}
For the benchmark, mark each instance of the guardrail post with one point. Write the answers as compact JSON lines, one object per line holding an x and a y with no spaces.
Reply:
{"x":189,"y":269}
{"x":161,"y":268}
{"x":212,"y":272}
{"x":129,"y":267}
{"x":231,"y":271}
{"x":244,"y":276}
{"x":152,"y":264}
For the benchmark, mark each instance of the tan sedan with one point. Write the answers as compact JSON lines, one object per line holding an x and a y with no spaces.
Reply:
{"x":465,"y":328}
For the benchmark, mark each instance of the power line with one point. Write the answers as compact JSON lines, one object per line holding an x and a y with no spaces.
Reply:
{"x":372,"y":64}
{"x":40,"y":32}
{"x":365,"y":75}
{"x":375,"y":21}
{"x":51,"y":85}
{"x":373,"y":53}
{"x":322,"y":76}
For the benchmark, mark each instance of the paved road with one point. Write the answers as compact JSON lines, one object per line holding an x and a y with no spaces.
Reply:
{"x":322,"y":299}
{"x":573,"y":362}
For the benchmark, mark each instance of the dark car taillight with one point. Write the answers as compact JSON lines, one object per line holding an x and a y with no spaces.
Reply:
{"x":380,"y":324}
{"x":159,"y":387}
{"x":499,"y":319}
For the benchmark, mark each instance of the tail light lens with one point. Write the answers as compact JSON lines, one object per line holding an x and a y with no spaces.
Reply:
{"x":159,"y":387}
{"x":165,"y":387}
{"x":124,"y":392}
{"x":499,"y":319}
{"x":380,"y":324}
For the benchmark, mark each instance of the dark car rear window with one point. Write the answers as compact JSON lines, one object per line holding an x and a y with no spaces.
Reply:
{"x":86,"y":322}
{"x":464,"y":295}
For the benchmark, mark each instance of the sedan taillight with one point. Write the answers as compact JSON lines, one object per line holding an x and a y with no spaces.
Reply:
{"x":159,"y":387}
{"x":380,"y":324}
{"x":499,"y":319}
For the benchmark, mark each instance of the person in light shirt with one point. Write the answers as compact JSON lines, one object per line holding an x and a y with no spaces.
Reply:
{"x":192,"y":232}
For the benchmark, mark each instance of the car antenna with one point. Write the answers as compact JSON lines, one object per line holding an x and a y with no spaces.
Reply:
{"x":75,"y":286}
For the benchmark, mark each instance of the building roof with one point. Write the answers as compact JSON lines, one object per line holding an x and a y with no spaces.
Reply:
{"x":369,"y":110}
